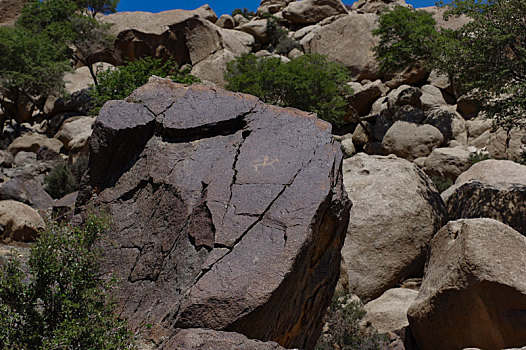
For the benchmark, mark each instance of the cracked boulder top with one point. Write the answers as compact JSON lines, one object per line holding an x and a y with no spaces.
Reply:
{"x":228,"y":214}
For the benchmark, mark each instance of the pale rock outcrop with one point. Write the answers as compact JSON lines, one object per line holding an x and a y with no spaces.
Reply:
{"x":312,"y":11}
{"x":257,"y":28}
{"x":31,"y":142}
{"x":19,"y":222}
{"x":81,"y":78}
{"x":474,"y":292}
{"x":395,"y":214}
{"x":388,"y":313}
{"x":491,"y":189}
{"x":226,"y":21}
{"x":207,"y":339}
{"x":431,"y":97}
{"x":410,"y":141}
{"x":453,"y":22}
{"x":449,"y":122}
{"x":272,"y":6}
{"x":447,"y":162}
{"x":348,"y":40}
{"x":219,"y":222}
{"x":377,"y":6}
{"x":74,"y":132}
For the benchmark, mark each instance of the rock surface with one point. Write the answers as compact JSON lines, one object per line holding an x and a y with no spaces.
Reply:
{"x":28,"y":191}
{"x":411,"y":141}
{"x":348,"y":40}
{"x":19,"y":222}
{"x":388,"y":313}
{"x":229,"y":210}
{"x":207,"y":339}
{"x":474,"y":292}
{"x":312,"y":11}
{"x":492,"y":189}
{"x":10,"y":10}
{"x":32,"y":142}
{"x":395,"y":214}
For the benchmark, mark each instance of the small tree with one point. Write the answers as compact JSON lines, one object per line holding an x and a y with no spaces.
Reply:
{"x":31,"y":67}
{"x":485,"y":58}
{"x":61,"y":302}
{"x":118,"y":83}
{"x":406,"y":36}
{"x":309,"y":82}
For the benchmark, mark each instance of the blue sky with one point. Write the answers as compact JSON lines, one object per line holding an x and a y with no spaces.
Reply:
{"x":219,"y":6}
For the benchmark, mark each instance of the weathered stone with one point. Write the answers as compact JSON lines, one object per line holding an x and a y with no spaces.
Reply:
{"x":19,"y":222}
{"x":219,"y":223}
{"x":388,"y":313}
{"x":26,"y":191}
{"x":431,"y":97}
{"x":414,"y":74}
{"x":474,"y":291}
{"x":491,"y":189}
{"x":81,"y":78}
{"x":10,"y":10}
{"x":226,"y":21}
{"x":447,"y":162}
{"x":75,"y":131}
{"x":449,"y":122}
{"x":32,"y":142}
{"x":348,"y":40}
{"x":395,"y":214}
{"x":312,"y":11}
{"x":186,"y":35}
{"x":300,"y":34}
{"x":272,"y":6}
{"x":207,"y":339}
{"x":453,"y":22}
{"x":410,"y":141}
{"x":64,"y":207}
{"x":257,"y":28}
{"x":364,"y":96}
{"x":377,"y":6}
{"x":348,"y":148}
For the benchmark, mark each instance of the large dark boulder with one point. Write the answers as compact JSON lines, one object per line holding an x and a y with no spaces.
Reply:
{"x":228,"y":214}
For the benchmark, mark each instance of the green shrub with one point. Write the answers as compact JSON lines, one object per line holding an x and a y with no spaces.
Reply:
{"x":60,"y":302}
{"x":280,"y":42}
{"x":406,"y":36}
{"x":243,"y":12}
{"x":441,"y":183}
{"x":478,"y":157}
{"x":60,"y":181}
{"x":344,"y":330}
{"x":309,"y":82}
{"x":64,"y":178}
{"x":118,"y":83}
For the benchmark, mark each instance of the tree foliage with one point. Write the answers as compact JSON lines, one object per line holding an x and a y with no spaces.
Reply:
{"x":118,"y":83}
{"x":309,"y":82}
{"x":485,"y":58}
{"x":60,"y":302}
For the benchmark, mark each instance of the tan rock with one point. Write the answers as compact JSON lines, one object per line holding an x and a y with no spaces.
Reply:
{"x":10,"y":10}
{"x":431,"y":97}
{"x":414,"y":74}
{"x":395,"y":214}
{"x":493,"y":189}
{"x":449,"y":122}
{"x":410,"y":141}
{"x":474,"y":292}
{"x":81,"y":78}
{"x":19,"y":222}
{"x":375,"y":6}
{"x":348,"y":40}
{"x":272,"y":6}
{"x":364,"y":95}
{"x":211,"y":69}
{"x":240,"y":19}
{"x":312,"y":11}
{"x":226,"y":21}
{"x":257,"y":28}
{"x":32,"y":142}
{"x":454,"y":22}
{"x":447,"y":162}
{"x":388,"y":313}
{"x":72,"y":132}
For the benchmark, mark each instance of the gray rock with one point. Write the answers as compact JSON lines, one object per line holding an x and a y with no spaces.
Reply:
{"x":411,"y":141}
{"x":219,"y":222}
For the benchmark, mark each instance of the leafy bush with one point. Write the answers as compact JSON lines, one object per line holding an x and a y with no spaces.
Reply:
{"x":344,"y":331}
{"x":441,"y":183}
{"x":478,"y":157}
{"x":406,"y":36}
{"x":243,"y":12}
{"x":309,"y":82}
{"x":60,"y":302}
{"x":64,"y":179}
{"x":118,"y":83}
{"x":280,"y":42}
{"x":485,"y":57}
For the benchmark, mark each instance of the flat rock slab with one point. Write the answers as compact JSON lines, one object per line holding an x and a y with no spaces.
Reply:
{"x":228,"y":214}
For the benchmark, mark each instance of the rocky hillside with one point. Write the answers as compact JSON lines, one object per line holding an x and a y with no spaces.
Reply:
{"x":234,"y":220}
